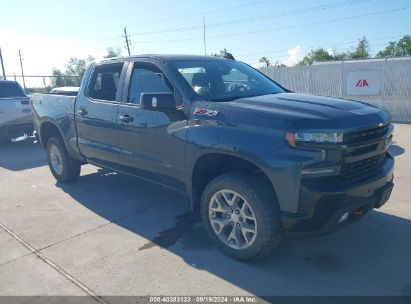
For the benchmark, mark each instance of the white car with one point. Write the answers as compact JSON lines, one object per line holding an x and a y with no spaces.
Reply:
{"x":15,"y":111}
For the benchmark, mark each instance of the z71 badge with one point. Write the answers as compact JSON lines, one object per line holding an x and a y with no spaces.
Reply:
{"x":205,"y":112}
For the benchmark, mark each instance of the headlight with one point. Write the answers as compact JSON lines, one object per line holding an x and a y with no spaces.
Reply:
{"x":313,"y":137}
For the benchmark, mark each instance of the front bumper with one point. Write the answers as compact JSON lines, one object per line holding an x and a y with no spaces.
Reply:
{"x":325,"y":204}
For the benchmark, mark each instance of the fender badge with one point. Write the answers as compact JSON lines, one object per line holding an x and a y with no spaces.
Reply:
{"x":205,"y":112}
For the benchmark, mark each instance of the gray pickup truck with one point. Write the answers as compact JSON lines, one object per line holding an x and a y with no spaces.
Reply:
{"x":256,"y":160}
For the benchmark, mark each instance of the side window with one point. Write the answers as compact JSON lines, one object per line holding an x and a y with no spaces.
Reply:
{"x":104,"y":81}
{"x":147,"y":78}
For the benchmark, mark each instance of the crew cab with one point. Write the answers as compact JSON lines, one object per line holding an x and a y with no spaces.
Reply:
{"x":256,"y":160}
{"x":15,"y":111}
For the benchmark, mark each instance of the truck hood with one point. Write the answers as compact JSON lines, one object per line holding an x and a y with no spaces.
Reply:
{"x":300,"y":111}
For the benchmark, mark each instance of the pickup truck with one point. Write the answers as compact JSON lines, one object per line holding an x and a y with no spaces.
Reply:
{"x":15,"y":111}
{"x":256,"y":160}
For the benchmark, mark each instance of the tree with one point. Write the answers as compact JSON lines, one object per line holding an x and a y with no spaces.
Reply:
{"x":111,"y":52}
{"x":341,"y":56}
{"x":221,"y":53}
{"x":73,"y":72}
{"x":75,"y":68}
{"x":58,"y":78}
{"x":400,"y":48}
{"x":266,"y":62}
{"x":316,"y":55}
{"x":361,"y":51}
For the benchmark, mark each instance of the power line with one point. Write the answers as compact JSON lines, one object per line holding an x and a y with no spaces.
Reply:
{"x":203,"y":13}
{"x":280,"y":28}
{"x":259,"y":18}
{"x":236,"y":21}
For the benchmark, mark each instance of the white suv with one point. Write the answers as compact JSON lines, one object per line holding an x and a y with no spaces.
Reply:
{"x":15,"y":111}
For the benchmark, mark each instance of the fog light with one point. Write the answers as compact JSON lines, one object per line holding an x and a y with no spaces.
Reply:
{"x":318,"y":172}
{"x":343,"y":217}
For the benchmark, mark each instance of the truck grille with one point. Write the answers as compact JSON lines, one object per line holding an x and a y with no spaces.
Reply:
{"x":373,"y":133}
{"x":363,"y":142}
{"x":362,"y":169}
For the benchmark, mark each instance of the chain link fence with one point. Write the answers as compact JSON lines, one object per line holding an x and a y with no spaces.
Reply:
{"x":383,"y":82}
{"x":40,"y":83}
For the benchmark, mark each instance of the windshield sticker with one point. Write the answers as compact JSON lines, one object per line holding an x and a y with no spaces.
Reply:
{"x":205,"y":112}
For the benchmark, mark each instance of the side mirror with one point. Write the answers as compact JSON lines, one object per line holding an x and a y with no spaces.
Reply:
{"x":157,"y":101}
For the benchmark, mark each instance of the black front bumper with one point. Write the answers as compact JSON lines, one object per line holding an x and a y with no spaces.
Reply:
{"x":324,"y":201}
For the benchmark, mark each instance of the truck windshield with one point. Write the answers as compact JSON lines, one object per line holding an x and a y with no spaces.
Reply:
{"x":11,"y":89}
{"x":223,"y":80}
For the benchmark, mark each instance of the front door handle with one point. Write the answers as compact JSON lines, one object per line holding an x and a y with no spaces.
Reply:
{"x":82,"y":111}
{"x":126,"y":118}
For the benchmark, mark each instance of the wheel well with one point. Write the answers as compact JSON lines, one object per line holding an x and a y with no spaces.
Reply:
{"x":48,"y":130}
{"x":210,"y":166}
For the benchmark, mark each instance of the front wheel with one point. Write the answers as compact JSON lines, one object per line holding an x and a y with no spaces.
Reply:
{"x":241,"y":215}
{"x":63,"y":168}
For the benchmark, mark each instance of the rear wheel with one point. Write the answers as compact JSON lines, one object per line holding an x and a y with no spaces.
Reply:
{"x":63,"y":168}
{"x":241,"y":215}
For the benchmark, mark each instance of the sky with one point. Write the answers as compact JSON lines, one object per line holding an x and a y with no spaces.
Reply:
{"x":49,"y":32}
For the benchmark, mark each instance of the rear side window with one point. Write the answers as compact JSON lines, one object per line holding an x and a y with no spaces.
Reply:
{"x":104,"y":81}
{"x":147,"y":78}
{"x":11,"y":89}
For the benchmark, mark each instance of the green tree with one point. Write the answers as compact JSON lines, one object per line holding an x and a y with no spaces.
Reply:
{"x":397,"y":49}
{"x":266,"y":62}
{"x":341,"y":56}
{"x":74,"y":72}
{"x":319,"y":54}
{"x":221,"y":53}
{"x":111,"y":52}
{"x":361,"y":51}
{"x":58,"y":78}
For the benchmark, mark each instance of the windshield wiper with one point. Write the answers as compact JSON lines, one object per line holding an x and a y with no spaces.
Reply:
{"x":231,"y":98}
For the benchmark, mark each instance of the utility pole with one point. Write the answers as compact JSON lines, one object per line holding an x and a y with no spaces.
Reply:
{"x":22,"y":72}
{"x":204,"y":37}
{"x":127,"y":42}
{"x":2,"y":65}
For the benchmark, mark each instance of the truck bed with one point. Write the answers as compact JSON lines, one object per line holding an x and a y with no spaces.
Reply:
{"x":54,"y":106}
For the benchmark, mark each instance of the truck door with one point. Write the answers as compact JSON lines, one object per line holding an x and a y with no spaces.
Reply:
{"x":152,"y":141}
{"x":96,"y":114}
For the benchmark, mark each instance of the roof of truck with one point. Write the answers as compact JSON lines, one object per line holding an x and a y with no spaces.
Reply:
{"x":165,"y":57}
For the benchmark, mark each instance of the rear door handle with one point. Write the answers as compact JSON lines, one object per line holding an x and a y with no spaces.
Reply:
{"x":126,"y":118}
{"x":82,"y":111}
